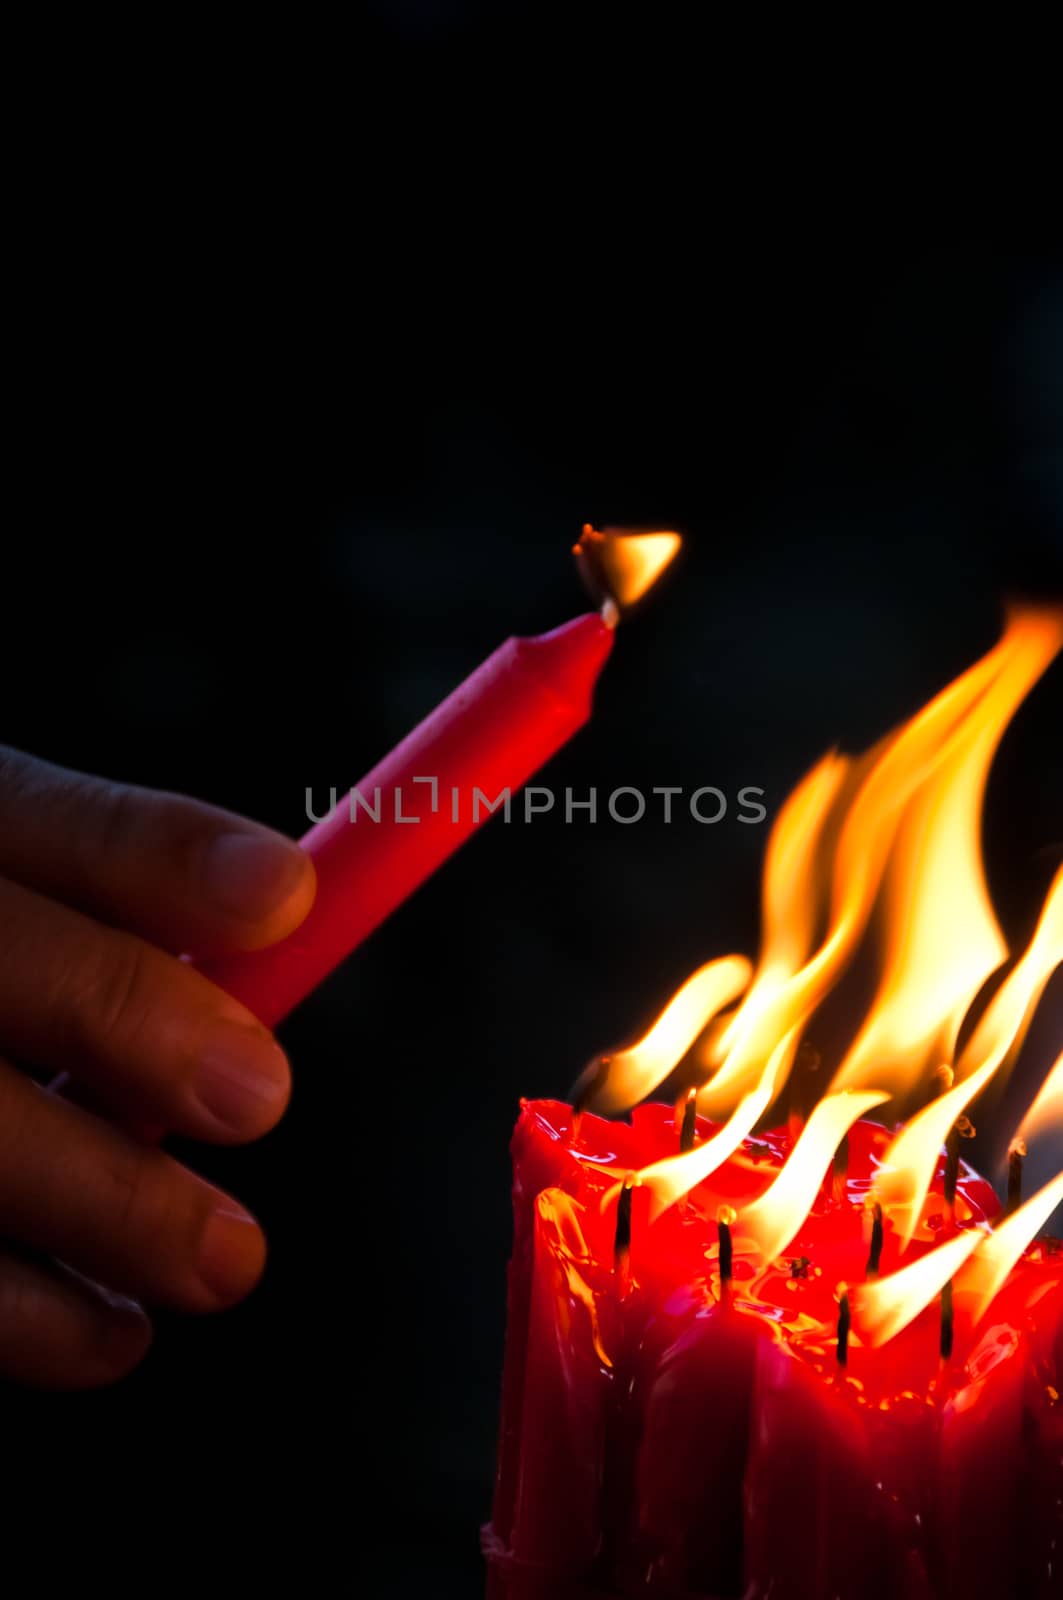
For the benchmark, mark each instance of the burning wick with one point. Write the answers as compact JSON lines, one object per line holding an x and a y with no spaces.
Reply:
{"x":1016,"y":1156}
{"x":841,"y":1169}
{"x":622,"y":1240}
{"x":874,"y":1254}
{"x":688,"y":1133}
{"x":725,"y":1218}
{"x":946,"y":1321}
{"x":589,"y":1083}
{"x":805,"y":1086}
{"x":845,"y":1322}
{"x":618,"y":565}
{"x":962,"y":1128}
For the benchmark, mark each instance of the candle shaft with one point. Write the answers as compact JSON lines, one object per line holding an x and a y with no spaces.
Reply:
{"x":421,"y":802}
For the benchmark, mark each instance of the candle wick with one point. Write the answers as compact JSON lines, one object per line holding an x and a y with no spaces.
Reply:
{"x":588,"y":1086}
{"x":1016,"y":1155}
{"x":724,"y":1218}
{"x":610,"y":613}
{"x":962,"y":1128}
{"x":622,"y":1238}
{"x":688,"y":1133}
{"x":874,"y":1254}
{"x":845,"y":1322}
{"x":803,"y":1086}
{"x":946,"y":1321}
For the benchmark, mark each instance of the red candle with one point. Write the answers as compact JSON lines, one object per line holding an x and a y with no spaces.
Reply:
{"x":424,"y":799}
{"x":849,"y":1386}
{"x":688,"y":1437}
{"x":465,"y":760}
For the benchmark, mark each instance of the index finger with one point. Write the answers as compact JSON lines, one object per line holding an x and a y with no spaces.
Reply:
{"x":183,"y":875}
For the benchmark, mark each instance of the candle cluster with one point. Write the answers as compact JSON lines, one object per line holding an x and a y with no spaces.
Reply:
{"x":679,"y":1424}
{"x":820,"y":1361}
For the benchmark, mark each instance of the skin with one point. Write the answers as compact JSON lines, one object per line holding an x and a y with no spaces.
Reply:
{"x":102,"y":886}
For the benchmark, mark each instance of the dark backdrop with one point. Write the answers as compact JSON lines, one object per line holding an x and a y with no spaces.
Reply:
{"x":257,"y":527}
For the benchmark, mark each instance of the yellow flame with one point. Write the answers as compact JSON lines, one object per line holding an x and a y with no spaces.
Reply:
{"x":908,"y":1166}
{"x":675,"y":1176}
{"x":909,"y":1163}
{"x":890,"y":778}
{"x":984,"y":1274}
{"x":890,"y":840}
{"x":622,"y":564}
{"x":1009,"y":1012}
{"x":634,"y":1073}
{"x":777,"y":1216}
{"x":1046,"y":1112}
{"x":884,"y":1308}
{"x":941,"y":934}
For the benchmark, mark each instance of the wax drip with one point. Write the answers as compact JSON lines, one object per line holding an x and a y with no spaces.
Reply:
{"x":688,"y":1133}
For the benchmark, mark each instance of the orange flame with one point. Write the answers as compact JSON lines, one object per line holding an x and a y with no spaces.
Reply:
{"x":984,"y":1275}
{"x":892,"y":778}
{"x":942,"y":939}
{"x":630,"y":1075}
{"x":1046,"y":1113}
{"x":908,"y":1166}
{"x":890,"y":840}
{"x":776,"y":1217}
{"x":619,"y":565}
{"x":675,"y":1176}
{"x":884,"y":1308}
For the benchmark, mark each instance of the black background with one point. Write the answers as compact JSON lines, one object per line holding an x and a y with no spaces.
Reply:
{"x":279,"y":475}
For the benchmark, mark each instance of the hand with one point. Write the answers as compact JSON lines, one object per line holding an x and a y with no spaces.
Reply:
{"x":101,"y":887}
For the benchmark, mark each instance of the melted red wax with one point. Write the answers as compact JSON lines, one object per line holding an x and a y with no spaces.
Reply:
{"x":664,"y":1437}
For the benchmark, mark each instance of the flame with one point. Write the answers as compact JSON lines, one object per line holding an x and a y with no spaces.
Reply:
{"x":1008,"y":1014}
{"x":941,"y":934}
{"x":935,"y":765}
{"x":621,"y":564}
{"x":1046,"y":1112}
{"x":675,"y":1176}
{"x":908,"y":1166}
{"x":621,"y":1080}
{"x":777,"y":1216}
{"x":884,"y":1308}
{"x":984,"y":1275}
{"x":889,"y":841}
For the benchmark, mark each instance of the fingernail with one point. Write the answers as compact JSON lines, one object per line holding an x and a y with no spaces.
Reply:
{"x":232,"y":1253}
{"x":252,"y":874}
{"x":242,"y":1080}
